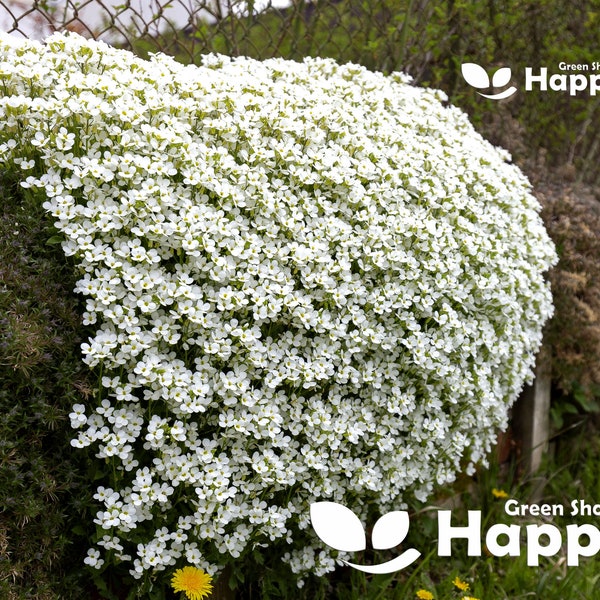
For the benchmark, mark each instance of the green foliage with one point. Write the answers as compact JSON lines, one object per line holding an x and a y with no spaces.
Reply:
{"x":43,"y":490}
{"x":572,"y":217}
{"x":569,"y":409}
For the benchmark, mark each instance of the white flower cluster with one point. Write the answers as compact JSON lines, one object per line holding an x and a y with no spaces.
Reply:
{"x":309,"y":281}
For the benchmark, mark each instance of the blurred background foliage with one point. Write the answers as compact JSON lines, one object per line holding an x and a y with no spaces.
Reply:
{"x":45,"y":490}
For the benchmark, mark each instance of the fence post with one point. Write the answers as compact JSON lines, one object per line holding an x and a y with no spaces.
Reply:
{"x":531,"y":414}
{"x":221,"y":589}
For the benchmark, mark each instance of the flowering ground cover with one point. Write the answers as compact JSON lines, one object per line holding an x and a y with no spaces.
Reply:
{"x":307,"y":281}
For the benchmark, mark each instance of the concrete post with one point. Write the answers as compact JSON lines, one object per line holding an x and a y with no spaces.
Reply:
{"x":531,"y":415}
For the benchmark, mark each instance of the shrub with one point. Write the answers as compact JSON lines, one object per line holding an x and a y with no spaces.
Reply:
{"x":572,"y":216}
{"x":308,"y":280}
{"x":43,"y":487}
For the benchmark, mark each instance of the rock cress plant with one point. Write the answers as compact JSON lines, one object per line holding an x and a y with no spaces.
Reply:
{"x":309,"y":281}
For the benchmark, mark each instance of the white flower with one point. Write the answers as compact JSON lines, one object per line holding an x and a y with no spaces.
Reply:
{"x":93,"y":559}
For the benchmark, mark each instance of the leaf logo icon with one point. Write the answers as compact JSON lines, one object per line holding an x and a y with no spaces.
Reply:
{"x":341,"y":529}
{"x":501,"y":77}
{"x":477,"y":77}
{"x":390,"y":530}
{"x":338,"y":526}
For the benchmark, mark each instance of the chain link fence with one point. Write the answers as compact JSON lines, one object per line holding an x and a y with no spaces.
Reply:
{"x":371,"y":32}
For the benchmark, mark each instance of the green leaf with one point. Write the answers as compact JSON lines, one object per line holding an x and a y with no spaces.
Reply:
{"x":78,"y":530}
{"x":557,"y":418}
{"x":570,"y":408}
{"x":589,"y":405}
{"x":55,"y":239}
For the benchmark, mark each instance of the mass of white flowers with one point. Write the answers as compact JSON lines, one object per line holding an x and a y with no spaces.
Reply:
{"x":307,"y":282}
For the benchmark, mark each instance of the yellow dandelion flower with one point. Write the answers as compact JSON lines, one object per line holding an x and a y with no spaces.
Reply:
{"x":194,"y":582}
{"x":499,"y":493}
{"x":469,"y":598}
{"x":463,"y":586}
{"x":424,"y":595}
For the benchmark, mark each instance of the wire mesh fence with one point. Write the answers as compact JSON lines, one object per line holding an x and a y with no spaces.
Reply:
{"x":372,"y":32}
